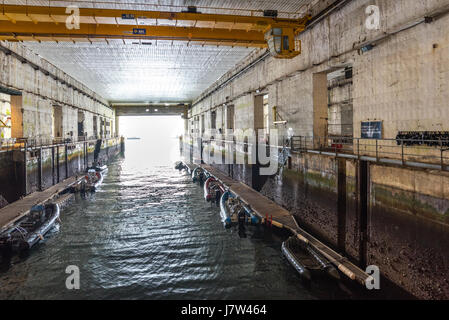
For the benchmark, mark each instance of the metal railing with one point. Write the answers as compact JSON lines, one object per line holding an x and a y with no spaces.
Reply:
{"x":428,"y":154}
{"x":403,"y":151}
{"x":44,"y":141}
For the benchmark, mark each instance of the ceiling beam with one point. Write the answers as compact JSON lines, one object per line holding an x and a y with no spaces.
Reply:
{"x":135,"y":17}
{"x":28,"y":31}
{"x":150,"y":110}
{"x":43,"y":23}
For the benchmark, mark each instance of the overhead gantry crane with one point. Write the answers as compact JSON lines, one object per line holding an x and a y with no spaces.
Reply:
{"x":48,"y":23}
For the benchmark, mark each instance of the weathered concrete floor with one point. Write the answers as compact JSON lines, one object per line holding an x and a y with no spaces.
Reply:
{"x":16,"y":210}
{"x":282,"y":218}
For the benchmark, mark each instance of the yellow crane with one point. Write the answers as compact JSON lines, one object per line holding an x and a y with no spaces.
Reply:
{"x":48,"y":23}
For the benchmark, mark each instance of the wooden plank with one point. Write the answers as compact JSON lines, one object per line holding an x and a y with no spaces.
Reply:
{"x":18,"y":209}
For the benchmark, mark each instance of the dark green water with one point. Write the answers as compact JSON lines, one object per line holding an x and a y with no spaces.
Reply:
{"x":149,"y":234}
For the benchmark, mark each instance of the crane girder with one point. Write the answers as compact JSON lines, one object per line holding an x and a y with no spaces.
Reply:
{"x":48,"y":23}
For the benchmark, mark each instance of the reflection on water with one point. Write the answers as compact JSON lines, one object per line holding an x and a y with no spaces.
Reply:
{"x":148,"y":233}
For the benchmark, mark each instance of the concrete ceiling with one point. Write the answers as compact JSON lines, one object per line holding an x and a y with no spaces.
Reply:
{"x":132,"y":72}
{"x":161,"y":71}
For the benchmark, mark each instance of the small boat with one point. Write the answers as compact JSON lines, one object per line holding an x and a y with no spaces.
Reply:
{"x":228,"y":204}
{"x":307,"y":262}
{"x":99,"y":168}
{"x":30,"y":229}
{"x":179,"y":165}
{"x":213,"y":190}
{"x":92,"y":180}
{"x":133,"y":138}
{"x":233,"y":211}
{"x":199,"y":175}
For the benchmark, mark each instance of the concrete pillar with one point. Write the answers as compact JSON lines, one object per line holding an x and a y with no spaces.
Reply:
{"x":341,"y":180}
{"x":25,"y":175}
{"x":66,"y":159}
{"x":117,"y":127}
{"x":39,"y":168}
{"x":57,"y":165}
{"x":53,"y":165}
{"x":363,"y":207}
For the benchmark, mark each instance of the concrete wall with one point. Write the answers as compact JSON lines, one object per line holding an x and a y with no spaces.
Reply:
{"x":47,"y":93}
{"x":403,"y":74}
{"x":33,"y":116}
{"x":407,"y":217}
{"x":402,"y":82}
{"x":409,"y":228}
{"x":57,"y":162}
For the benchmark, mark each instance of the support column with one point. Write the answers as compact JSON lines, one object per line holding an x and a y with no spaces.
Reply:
{"x":85,"y":155}
{"x":53,"y":165}
{"x":363,"y":188}
{"x":57,"y":165}
{"x":341,"y":205}
{"x":66,"y":159}
{"x":39,"y":170}
{"x":25,"y":176}
{"x":122,"y":145}
{"x":117,"y":127}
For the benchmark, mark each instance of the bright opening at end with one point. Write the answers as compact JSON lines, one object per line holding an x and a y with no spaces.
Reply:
{"x":151,"y":140}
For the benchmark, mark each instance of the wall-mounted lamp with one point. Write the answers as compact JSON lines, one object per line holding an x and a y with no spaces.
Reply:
{"x":367,"y":48}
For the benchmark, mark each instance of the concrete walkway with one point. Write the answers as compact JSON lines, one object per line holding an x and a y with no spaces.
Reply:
{"x":16,"y":210}
{"x":282,"y":218}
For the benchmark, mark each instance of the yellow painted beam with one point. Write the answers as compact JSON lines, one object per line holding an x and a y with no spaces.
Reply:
{"x":49,"y":31}
{"x":138,"y":17}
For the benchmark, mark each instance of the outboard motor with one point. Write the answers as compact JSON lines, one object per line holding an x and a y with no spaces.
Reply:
{"x":217,"y":197}
{"x":202,"y":178}
{"x":242,"y":217}
{"x":5,"y":246}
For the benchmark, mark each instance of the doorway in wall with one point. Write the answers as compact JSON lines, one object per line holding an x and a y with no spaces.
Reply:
{"x":108,"y":129}
{"x":203,"y":127}
{"x":57,"y":123}
{"x":95,"y":127}
{"x":213,"y":120}
{"x":102,"y":126}
{"x":340,"y":107}
{"x":230,"y":117}
{"x":80,"y":125}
